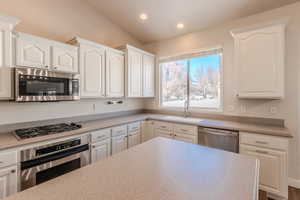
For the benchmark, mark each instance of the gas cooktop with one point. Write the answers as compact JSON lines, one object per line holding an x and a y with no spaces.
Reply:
{"x":45,"y":130}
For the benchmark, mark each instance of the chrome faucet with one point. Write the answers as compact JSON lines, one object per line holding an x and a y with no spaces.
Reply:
{"x":186,"y":109}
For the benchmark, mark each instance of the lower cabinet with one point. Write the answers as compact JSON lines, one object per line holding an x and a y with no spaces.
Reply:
{"x":147,"y":130}
{"x":272,"y":153}
{"x":8,"y":181}
{"x":101,"y":150}
{"x":181,"y":132}
{"x":134,"y":139}
{"x":119,"y":143}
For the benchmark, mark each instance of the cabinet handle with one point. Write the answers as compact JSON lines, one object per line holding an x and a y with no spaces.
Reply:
{"x":93,"y":146}
{"x":260,"y":151}
{"x":261,"y":142}
{"x":13,"y":171}
{"x":175,"y":135}
{"x":163,"y":127}
{"x":184,"y":130}
{"x":55,"y":67}
{"x":1,"y":162}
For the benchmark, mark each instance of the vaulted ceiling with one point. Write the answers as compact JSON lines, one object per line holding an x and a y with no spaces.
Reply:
{"x":165,"y":14}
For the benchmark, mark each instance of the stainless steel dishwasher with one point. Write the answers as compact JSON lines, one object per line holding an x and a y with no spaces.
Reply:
{"x":227,"y":140}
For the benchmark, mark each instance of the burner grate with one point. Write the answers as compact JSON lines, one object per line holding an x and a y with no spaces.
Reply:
{"x":45,"y":130}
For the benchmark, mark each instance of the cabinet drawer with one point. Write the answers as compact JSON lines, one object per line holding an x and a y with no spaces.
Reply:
{"x":161,"y":133}
{"x":264,"y":141}
{"x":134,"y":127}
{"x":185,"y":129}
{"x":8,"y":158}
{"x":119,"y":130}
{"x":100,"y":135}
{"x":163,"y":126}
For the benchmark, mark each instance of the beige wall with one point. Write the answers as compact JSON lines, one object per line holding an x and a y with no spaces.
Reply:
{"x":288,"y":108}
{"x":61,"y":20}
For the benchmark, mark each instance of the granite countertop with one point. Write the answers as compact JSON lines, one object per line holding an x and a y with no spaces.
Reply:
{"x":8,"y":140}
{"x":147,"y":172}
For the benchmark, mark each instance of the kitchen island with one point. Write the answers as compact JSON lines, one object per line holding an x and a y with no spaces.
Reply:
{"x":158,"y":169}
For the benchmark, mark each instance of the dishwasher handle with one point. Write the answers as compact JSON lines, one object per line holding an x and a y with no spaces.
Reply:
{"x":226,"y":133}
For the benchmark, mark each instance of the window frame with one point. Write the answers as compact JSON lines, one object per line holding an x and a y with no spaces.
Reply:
{"x":194,"y":109}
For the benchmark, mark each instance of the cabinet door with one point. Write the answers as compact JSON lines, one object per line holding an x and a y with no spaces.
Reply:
{"x":148,"y":76}
{"x":273,"y":168}
{"x":260,"y":61}
{"x":92,"y":71}
{"x":8,"y":181}
{"x":65,"y":58}
{"x":185,"y":139}
{"x":119,"y":143}
{"x":147,"y":130}
{"x":101,"y":150}
{"x":115,"y":73}
{"x":134,"y":70}
{"x":32,"y":51}
{"x":6,"y":83}
{"x":134,"y":139}
{"x":161,"y":133}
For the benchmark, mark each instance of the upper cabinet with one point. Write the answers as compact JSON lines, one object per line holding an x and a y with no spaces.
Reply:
{"x":259,"y":58}
{"x":134,"y":73}
{"x":101,"y":70}
{"x":140,"y":72}
{"x":7,"y":25}
{"x":32,"y":51}
{"x":115,"y":73}
{"x":64,"y":58}
{"x":148,"y":76}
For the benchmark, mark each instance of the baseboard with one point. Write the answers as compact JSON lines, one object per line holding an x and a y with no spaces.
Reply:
{"x":294,"y":183}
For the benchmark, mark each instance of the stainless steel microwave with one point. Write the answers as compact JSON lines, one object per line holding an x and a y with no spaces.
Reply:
{"x":34,"y":84}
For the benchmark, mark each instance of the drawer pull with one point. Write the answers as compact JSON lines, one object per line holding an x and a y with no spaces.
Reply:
{"x":184,"y":130}
{"x":13,"y":171}
{"x":1,"y":162}
{"x":260,"y":151}
{"x":163,"y":127}
{"x":261,"y":142}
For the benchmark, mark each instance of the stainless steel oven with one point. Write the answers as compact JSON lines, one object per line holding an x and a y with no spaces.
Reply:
{"x":43,"y":163}
{"x":34,"y":84}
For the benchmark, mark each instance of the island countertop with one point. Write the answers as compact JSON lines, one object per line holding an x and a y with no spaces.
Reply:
{"x":160,"y":169}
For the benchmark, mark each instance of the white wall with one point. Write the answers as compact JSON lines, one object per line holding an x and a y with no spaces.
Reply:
{"x":11,"y":112}
{"x":288,"y":109}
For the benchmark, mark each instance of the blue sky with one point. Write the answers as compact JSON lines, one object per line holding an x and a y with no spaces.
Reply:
{"x":213,"y":60}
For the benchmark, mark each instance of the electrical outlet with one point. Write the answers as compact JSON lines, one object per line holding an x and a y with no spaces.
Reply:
{"x":231,"y":108}
{"x":273,"y":110}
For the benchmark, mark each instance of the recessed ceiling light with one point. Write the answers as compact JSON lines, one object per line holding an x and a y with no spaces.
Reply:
{"x":143,"y":16}
{"x":180,"y":25}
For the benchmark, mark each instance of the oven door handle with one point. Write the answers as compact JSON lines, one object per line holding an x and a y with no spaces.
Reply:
{"x":56,"y":156}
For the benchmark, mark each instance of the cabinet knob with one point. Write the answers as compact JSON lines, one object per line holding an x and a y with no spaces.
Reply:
{"x":13,"y":171}
{"x":93,"y":146}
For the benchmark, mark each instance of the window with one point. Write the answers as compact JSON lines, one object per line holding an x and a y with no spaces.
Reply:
{"x":194,"y":79}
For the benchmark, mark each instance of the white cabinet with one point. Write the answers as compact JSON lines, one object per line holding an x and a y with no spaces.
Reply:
{"x":115,"y":73}
{"x":140,"y":72}
{"x":6,"y":83}
{"x":259,"y":58}
{"x":32,"y":51}
{"x":119,"y":143}
{"x":101,"y":150}
{"x":65,"y":58}
{"x":8,"y":181}
{"x":92,"y":69}
{"x":134,"y":139}
{"x":272,"y":153}
{"x":147,"y":130}
{"x":148,"y":76}
{"x":181,"y":132}
{"x":134,"y":134}
{"x":134,"y":73}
